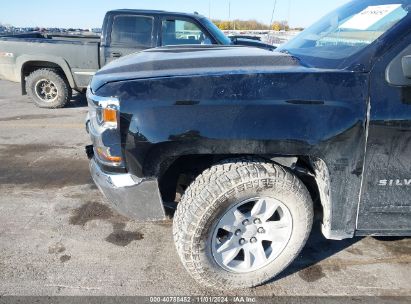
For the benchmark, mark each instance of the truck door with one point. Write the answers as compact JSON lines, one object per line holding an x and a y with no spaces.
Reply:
{"x":386,"y":198}
{"x":128,"y":34}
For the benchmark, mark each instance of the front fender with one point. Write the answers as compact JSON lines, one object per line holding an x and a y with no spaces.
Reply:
{"x":320,"y":114}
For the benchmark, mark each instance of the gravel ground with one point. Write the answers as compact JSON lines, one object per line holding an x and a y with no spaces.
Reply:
{"x":59,"y":237}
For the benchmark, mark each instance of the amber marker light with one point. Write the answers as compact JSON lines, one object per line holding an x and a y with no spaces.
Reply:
{"x":109,"y":115}
{"x":107,"y":156}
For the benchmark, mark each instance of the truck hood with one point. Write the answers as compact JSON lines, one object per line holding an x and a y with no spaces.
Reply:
{"x":193,"y":60}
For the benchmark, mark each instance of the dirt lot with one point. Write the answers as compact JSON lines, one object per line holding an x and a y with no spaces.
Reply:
{"x":58,"y":237}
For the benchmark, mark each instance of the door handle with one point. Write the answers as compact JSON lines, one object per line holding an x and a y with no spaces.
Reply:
{"x":115,"y":54}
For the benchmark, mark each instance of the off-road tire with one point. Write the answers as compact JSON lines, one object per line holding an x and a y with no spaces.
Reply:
{"x":63,"y":88}
{"x":213,"y":193}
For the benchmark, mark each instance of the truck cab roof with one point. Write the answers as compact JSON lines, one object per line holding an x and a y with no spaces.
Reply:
{"x":155,"y":13}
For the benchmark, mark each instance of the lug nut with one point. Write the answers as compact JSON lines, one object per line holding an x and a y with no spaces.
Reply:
{"x":245,"y":222}
{"x":257,"y":221}
{"x":242,"y":241}
{"x":237,"y":232}
{"x":261,"y":230}
{"x":253,"y":240}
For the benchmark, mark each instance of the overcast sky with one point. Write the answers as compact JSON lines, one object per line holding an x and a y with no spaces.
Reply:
{"x":90,"y":13}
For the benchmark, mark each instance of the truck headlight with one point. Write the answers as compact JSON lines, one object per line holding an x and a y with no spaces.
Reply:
{"x":104,"y":116}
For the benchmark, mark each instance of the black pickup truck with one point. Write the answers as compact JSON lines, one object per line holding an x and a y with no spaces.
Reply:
{"x":49,"y":67}
{"x":251,"y":144}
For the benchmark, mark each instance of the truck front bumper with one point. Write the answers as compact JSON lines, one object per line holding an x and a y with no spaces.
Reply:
{"x":131,"y":196}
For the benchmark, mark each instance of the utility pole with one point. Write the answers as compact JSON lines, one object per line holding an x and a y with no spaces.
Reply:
{"x":229,"y":12}
{"x":229,"y":15}
{"x":289,"y":12}
{"x":272,"y":15}
{"x":209,"y":9}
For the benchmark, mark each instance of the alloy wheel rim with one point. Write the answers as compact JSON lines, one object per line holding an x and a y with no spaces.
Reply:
{"x":46,"y":90}
{"x":251,"y":234}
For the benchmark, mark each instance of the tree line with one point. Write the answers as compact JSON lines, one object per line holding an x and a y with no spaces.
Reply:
{"x":251,"y":25}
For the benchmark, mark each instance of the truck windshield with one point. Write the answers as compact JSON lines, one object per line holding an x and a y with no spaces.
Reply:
{"x":216,"y":32}
{"x":346,"y":31}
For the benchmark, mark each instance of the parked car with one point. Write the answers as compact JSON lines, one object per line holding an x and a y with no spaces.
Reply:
{"x":251,"y":144}
{"x":49,"y":67}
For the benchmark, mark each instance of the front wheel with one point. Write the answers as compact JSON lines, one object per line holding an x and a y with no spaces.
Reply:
{"x":48,"y":89}
{"x":240,"y":223}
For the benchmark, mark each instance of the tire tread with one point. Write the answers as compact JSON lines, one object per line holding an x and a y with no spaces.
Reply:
{"x":65,"y":91}
{"x":201,"y":197}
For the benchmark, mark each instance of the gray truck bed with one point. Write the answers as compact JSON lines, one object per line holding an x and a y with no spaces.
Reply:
{"x":77,"y":56}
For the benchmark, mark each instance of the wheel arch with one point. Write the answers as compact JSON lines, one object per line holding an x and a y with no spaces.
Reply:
{"x":28,"y":64}
{"x":313,"y":172}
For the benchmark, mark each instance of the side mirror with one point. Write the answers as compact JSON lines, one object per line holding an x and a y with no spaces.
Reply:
{"x":398,"y":72}
{"x":406,"y":66}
